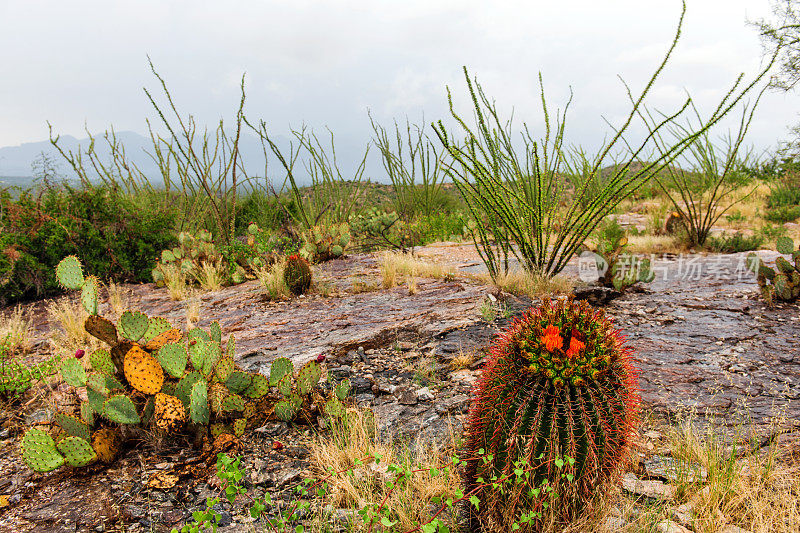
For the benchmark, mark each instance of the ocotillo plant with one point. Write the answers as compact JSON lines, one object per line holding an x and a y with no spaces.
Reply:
{"x":558,"y":399}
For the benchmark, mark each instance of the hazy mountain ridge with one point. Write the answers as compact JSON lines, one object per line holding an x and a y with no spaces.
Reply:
{"x":16,"y":162}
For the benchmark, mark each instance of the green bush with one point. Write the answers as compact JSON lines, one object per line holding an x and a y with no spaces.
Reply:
{"x":783,"y":201}
{"x":737,"y":242}
{"x":118,"y":237}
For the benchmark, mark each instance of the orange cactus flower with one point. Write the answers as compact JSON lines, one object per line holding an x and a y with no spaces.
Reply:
{"x":552,"y":338}
{"x":575,"y":348}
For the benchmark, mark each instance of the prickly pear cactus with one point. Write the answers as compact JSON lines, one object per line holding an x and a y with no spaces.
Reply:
{"x":781,"y":283}
{"x":323,"y":242}
{"x":39,"y":451}
{"x":153,"y":376}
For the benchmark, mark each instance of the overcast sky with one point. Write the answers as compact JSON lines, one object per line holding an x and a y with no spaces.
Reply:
{"x":326,"y":62}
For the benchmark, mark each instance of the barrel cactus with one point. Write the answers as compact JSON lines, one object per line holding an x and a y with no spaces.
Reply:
{"x":297,"y":275}
{"x":552,"y":420}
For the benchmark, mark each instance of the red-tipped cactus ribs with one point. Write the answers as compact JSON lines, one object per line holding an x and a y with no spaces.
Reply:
{"x":558,"y":400}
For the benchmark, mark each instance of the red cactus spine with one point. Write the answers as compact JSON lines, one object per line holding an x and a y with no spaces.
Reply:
{"x":559,"y":400}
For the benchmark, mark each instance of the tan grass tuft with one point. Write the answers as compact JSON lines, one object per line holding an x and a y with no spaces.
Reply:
{"x":271,"y":278}
{"x":211,"y":276}
{"x":393,"y":265}
{"x":69,"y":316}
{"x":15,"y":329}
{"x":355,"y":441}
{"x":525,"y":284}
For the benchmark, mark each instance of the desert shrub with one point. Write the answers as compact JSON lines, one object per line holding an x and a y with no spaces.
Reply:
{"x":738,"y":242}
{"x":783,"y":201}
{"x":118,"y":236}
{"x":514,"y":188}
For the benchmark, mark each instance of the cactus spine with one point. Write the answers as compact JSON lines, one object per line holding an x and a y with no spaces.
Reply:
{"x":559,"y":389}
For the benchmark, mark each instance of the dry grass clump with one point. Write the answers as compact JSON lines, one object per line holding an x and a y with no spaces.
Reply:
{"x":192,"y":313}
{"x":15,"y":330}
{"x":176,"y":282}
{"x":757,"y":493}
{"x":211,"y":276}
{"x":654,"y":244}
{"x":349,"y":451}
{"x":358,"y":285}
{"x":117,"y":298}
{"x":69,"y":316}
{"x":393,"y":265}
{"x":462,"y":360}
{"x":523,"y":283}
{"x":271,"y":278}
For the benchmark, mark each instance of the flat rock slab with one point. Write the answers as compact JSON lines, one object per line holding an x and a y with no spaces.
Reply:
{"x":305,"y":327}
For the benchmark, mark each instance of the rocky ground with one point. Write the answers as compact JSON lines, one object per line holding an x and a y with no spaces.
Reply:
{"x":703,"y":339}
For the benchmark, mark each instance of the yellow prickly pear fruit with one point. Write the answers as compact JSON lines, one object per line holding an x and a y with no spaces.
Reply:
{"x":169,"y":412}
{"x":143,"y":371}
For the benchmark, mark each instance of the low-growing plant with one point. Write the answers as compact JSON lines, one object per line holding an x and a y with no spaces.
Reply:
{"x":737,"y":242}
{"x":618,"y":269}
{"x":782,"y":282}
{"x":151,"y":375}
{"x":16,"y":377}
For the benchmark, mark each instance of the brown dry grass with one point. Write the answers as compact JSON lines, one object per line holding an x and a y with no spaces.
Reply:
{"x":350,"y":450}
{"x":525,"y":284}
{"x":271,"y":278}
{"x":176,"y":282}
{"x":117,"y":299}
{"x":210,"y":276}
{"x":15,"y":329}
{"x":395,"y":265}
{"x":68,"y":315}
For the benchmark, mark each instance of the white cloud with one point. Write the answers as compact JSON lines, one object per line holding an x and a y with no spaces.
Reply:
{"x":326,"y":62}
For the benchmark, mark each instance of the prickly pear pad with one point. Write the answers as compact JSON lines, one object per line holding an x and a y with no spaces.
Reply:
{"x":133,"y":325}
{"x":169,"y":412}
{"x":173,"y":359}
{"x":101,"y":362}
{"x":39,"y":451}
{"x":89,"y":295}
{"x":69,"y":273}
{"x":73,"y":373}
{"x":72,"y":426}
{"x":76,"y":451}
{"x":101,"y":328}
{"x":120,"y":409}
{"x":106,"y":444}
{"x":143,"y":371}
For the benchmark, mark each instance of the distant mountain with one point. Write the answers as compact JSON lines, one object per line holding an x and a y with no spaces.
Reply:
{"x":16,"y":162}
